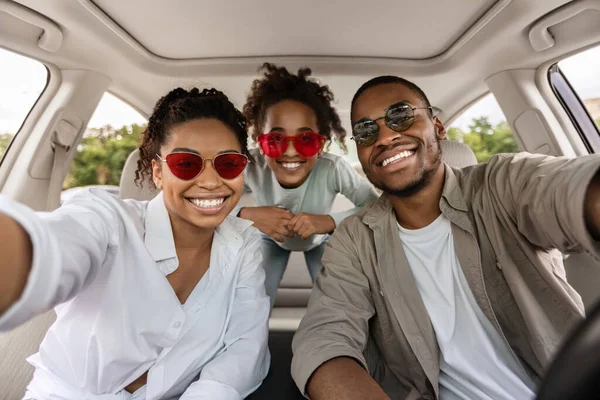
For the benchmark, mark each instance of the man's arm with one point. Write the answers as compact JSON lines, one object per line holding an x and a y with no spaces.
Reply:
{"x":592,"y":207}
{"x":552,"y":200}
{"x":343,"y":378}
{"x":336,"y":325}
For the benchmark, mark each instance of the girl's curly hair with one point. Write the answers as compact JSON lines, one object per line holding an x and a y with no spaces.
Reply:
{"x":279,"y":84}
{"x":180,"y":106}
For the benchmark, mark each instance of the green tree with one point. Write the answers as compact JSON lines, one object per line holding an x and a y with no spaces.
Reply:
{"x":101,"y":155}
{"x":486,"y":139}
{"x":5,"y":139}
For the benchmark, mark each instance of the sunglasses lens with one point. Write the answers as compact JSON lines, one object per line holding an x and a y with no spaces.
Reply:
{"x":399,"y":117}
{"x":184,"y":166}
{"x":308,"y":144}
{"x":273,"y":145}
{"x":365,"y":133}
{"x":230,"y":165}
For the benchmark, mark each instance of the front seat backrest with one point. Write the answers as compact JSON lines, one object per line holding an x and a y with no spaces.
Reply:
{"x":128,"y":188}
{"x":456,"y":154}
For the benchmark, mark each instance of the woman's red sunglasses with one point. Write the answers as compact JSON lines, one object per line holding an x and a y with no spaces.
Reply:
{"x":187,"y":166}
{"x":275,"y":144}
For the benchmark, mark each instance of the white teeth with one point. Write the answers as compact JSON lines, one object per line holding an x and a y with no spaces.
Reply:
{"x":398,"y":156}
{"x":207,"y":203}
{"x":290,"y":165}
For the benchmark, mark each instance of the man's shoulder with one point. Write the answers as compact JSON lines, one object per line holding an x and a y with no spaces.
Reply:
{"x":359,"y":220}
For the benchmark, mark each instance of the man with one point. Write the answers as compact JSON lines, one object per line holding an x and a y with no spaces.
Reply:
{"x":451,"y":285}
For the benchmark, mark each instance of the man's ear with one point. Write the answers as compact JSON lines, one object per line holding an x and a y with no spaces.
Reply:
{"x":440,"y":129}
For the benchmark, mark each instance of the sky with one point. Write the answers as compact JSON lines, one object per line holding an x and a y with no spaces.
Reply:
{"x":22,"y":81}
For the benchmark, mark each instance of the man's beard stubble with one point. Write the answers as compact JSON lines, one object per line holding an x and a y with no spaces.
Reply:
{"x":417,"y":185}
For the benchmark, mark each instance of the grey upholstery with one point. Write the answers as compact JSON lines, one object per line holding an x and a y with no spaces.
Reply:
{"x":457,"y":155}
{"x":15,"y":347}
{"x":128,"y":188}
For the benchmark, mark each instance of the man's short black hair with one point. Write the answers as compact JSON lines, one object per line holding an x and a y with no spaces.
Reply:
{"x":385,"y":79}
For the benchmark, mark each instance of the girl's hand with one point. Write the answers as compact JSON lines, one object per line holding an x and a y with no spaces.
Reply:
{"x":305,"y":224}
{"x":270,"y":220}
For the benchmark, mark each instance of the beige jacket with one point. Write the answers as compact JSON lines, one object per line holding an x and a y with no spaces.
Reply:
{"x":508,"y":218}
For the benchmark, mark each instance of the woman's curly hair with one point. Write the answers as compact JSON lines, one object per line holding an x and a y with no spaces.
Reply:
{"x":277,"y":85}
{"x":180,"y":106}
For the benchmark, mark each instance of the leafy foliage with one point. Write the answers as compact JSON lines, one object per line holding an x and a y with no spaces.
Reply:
{"x":486,"y":140}
{"x":101,"y":155}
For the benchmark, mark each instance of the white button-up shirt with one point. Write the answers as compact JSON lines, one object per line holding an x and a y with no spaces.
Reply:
{"x":101,"y":262}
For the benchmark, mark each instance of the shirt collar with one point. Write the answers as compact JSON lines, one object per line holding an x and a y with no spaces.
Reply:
{"x":451,"y":193}
{"x":159,"y":234}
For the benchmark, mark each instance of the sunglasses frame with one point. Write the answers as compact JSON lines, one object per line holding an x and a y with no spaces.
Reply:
{"x":204,"y":160}
{"x":371,"y":139}
{"x":288,"y":139}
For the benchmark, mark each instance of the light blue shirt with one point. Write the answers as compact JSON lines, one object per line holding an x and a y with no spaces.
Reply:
{"x":331,"y":175}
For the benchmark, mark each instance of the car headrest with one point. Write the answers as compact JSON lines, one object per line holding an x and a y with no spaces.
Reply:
{"x":456,"y":154}
{"x":128,"y":188}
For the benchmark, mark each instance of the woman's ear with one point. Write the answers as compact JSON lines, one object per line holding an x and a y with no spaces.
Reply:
{"x":157,"y":174}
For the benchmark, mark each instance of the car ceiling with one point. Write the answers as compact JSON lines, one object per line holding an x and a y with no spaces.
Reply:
{"x":147,"y":47}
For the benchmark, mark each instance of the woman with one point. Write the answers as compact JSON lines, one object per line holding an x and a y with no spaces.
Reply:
{"x":154,"y":300}
{"x":295,"y":180}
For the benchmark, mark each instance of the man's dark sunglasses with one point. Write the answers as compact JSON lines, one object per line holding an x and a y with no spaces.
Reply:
{"x":399,"y":117}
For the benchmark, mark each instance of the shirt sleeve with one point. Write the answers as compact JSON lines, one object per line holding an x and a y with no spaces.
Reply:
{"x":544,"y":196}
{"x":243,"y":364}
{"x":346,"y":181}
{"x":336,"y":323}
{"x":70,"y":245}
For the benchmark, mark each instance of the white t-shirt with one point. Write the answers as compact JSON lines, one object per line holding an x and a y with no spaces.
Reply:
{"x":476,"y":362}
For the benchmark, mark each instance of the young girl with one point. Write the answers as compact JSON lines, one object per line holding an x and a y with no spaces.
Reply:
{"x":294,"y":180}
{"x":159,"y":299}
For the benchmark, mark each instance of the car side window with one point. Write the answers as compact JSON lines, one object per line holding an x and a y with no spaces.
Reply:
{"x":576,"y":83}
{"x":484,"y":129}
{"x":113,"y":132}
{"x":22,"y":81}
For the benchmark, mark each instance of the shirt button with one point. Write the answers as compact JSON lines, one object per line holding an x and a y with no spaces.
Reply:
{"x":176,"y":325}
